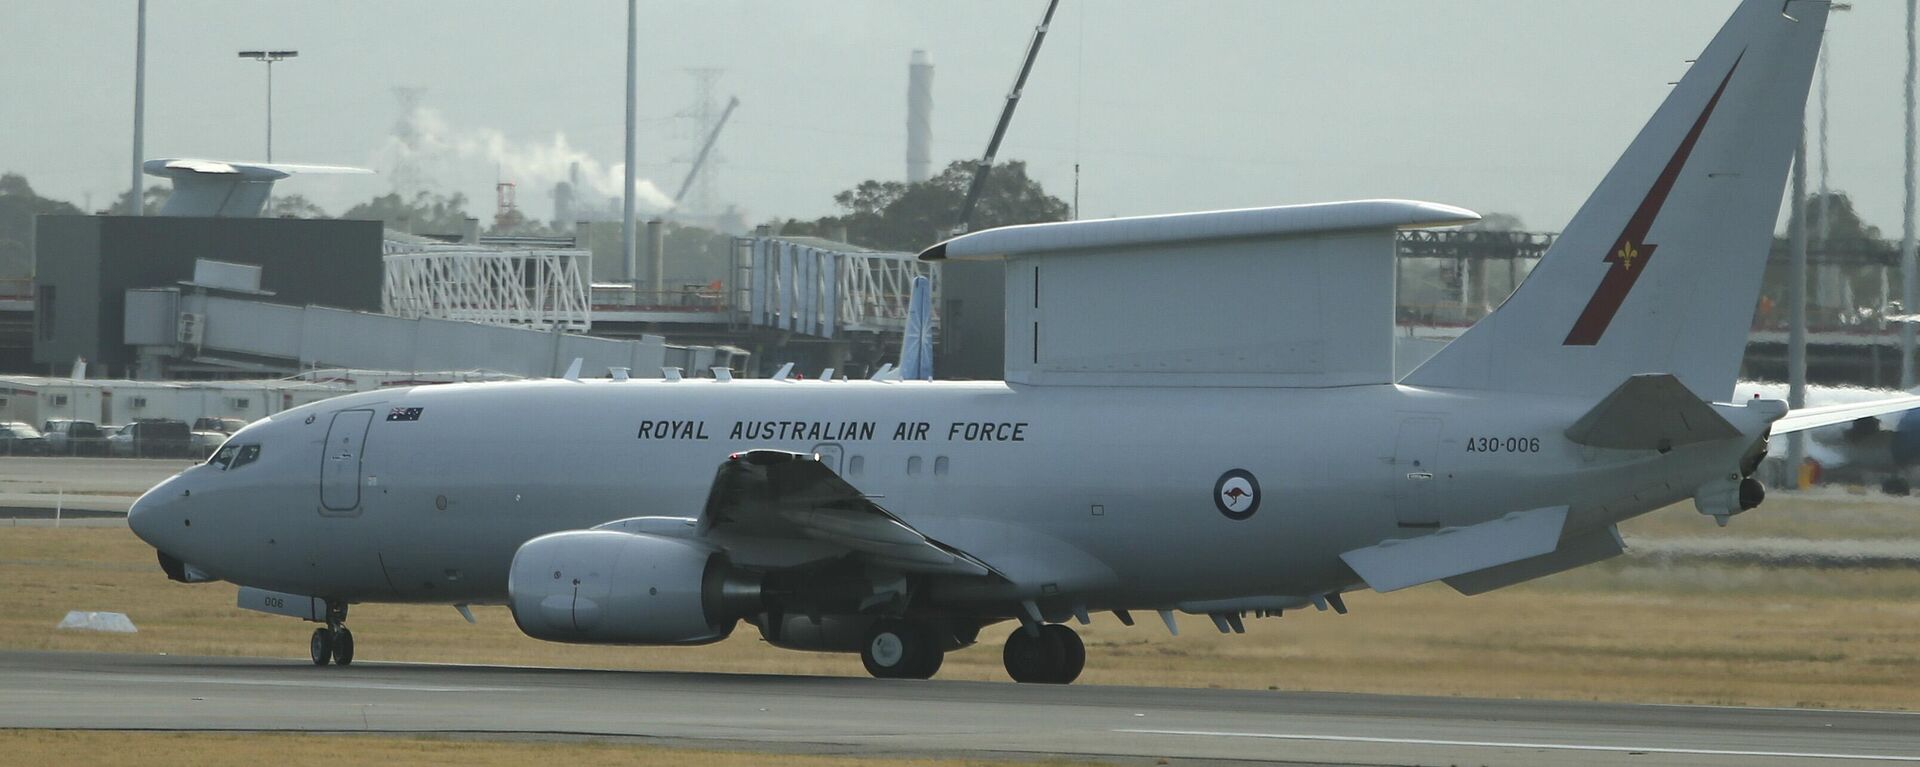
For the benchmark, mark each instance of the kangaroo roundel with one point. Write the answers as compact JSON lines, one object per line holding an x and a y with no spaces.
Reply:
{"x":1237,"y":494}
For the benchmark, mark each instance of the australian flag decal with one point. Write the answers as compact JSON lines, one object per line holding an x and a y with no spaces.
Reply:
{"x":404,"y":414}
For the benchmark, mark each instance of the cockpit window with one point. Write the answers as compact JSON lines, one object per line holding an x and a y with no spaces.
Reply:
{"x":232,"y":456}
{"x":223,"y":457}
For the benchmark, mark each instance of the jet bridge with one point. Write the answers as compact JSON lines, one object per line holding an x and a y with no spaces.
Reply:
{"x":194,"y":329}
{"x":800,"y":285}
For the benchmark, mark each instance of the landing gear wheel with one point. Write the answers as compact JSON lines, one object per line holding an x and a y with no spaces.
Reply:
{"x":321,"y":647}
{"x":931,"y":665}
{"x":1033,"y":658}
{"x":1073,"y":653}
{"x":900,"y":650}
{"x":1056,"y":656}
{"x":343,"y":647}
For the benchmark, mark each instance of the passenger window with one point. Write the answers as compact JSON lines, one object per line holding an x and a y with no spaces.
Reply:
{"x":940,"y":466}
{"x":913,"y":466}
{"x":855,"y":464}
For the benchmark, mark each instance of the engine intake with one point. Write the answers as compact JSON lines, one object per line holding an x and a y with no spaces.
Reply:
{"x":605,"y":587}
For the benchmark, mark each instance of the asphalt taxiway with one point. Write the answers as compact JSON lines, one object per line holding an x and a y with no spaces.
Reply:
{"x":849,"y":715}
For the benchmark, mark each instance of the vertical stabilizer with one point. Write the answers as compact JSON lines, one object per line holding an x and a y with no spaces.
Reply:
{"x":916,"y":344}
{"x":1660,"y":269}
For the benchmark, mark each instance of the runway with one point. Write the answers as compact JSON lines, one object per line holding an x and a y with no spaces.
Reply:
{"x":937,"y":718}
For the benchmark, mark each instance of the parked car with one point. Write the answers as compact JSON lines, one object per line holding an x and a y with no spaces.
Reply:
{"x":205,"y":442}
{"x":155,"y":438}
{"x":21,"y":439}
{"x":222,"y":425}
{"x":120,"y":441}
{"x":74,"y":437}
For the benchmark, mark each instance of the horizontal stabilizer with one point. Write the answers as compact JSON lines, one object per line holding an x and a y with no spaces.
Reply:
{"x":217,"y":188}
{"x":176,"y":168}
{"x":1650,"y":412}
{"x":1397,"y":564}
{"x":1597,"y":546}
{"x":1816,"y":417}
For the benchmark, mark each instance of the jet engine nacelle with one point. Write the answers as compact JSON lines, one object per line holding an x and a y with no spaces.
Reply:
{"x":1905,"y":445}
{"x":604,"y":587}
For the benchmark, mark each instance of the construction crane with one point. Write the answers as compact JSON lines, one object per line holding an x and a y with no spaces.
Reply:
{"x":701,"y":158}
{"x":1006,"y":117}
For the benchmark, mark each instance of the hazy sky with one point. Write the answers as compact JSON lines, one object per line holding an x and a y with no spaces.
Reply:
{"x":1498,"y":105}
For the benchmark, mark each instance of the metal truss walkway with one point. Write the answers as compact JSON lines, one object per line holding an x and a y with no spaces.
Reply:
{"x":200,"y":330}
{"x":802,"y":285}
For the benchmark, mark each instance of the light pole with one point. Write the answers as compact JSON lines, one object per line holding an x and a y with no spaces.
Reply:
{"x":628,"y":246}
{"x":269,"y":57}
{"x":136,"y":202}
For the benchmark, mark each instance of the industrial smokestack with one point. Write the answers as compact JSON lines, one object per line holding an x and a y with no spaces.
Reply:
{"x":919,"y":116}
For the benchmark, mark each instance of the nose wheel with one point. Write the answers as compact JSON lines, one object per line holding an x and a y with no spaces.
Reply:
{"x":1055,"y":656}
{"x":334,"y":643}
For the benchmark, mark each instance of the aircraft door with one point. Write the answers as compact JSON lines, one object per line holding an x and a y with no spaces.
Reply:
{"x":830,"y":455}
{"x":340,"y":463}
{"x":1416,"y":485}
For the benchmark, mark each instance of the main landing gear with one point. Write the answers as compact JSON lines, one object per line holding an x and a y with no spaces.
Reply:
{"x":333,"y":643}
{"x":900,"y":649}
{"x":1054,"y":656}
{"x":897,"y":649}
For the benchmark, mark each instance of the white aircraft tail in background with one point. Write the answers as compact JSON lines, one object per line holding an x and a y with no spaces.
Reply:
{"x":215,"y":188}
{"x":916,"y":345}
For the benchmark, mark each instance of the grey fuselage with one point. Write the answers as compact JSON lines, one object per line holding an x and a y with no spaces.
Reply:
{"x":1104,"y":494}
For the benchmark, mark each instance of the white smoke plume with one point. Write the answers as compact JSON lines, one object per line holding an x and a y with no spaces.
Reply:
{"x":424,"y":147}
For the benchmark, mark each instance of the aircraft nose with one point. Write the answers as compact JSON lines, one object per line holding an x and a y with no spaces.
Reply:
{"x":144,"y":516}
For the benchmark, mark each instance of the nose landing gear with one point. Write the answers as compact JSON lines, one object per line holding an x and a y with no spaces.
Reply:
{"x":334,"y":643}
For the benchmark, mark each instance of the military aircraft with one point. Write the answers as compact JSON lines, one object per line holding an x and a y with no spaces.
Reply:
{"x":1200,"y":415}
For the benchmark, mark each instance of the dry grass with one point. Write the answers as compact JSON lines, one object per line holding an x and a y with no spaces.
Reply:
{"x":1719,"y":635}
{"x":1825,"y":513}
{"x":42,"y":747}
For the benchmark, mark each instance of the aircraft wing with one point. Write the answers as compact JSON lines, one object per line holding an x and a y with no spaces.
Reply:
{"x":1816,"y":417}
{"x":775,"y":494}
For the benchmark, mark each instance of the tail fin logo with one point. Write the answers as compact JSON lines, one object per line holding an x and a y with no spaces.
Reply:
{"x":1631,"y":253}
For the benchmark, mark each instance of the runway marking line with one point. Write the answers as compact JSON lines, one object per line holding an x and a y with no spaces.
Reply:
{"x":1541,"y":746}
{"x":316,"y":683}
